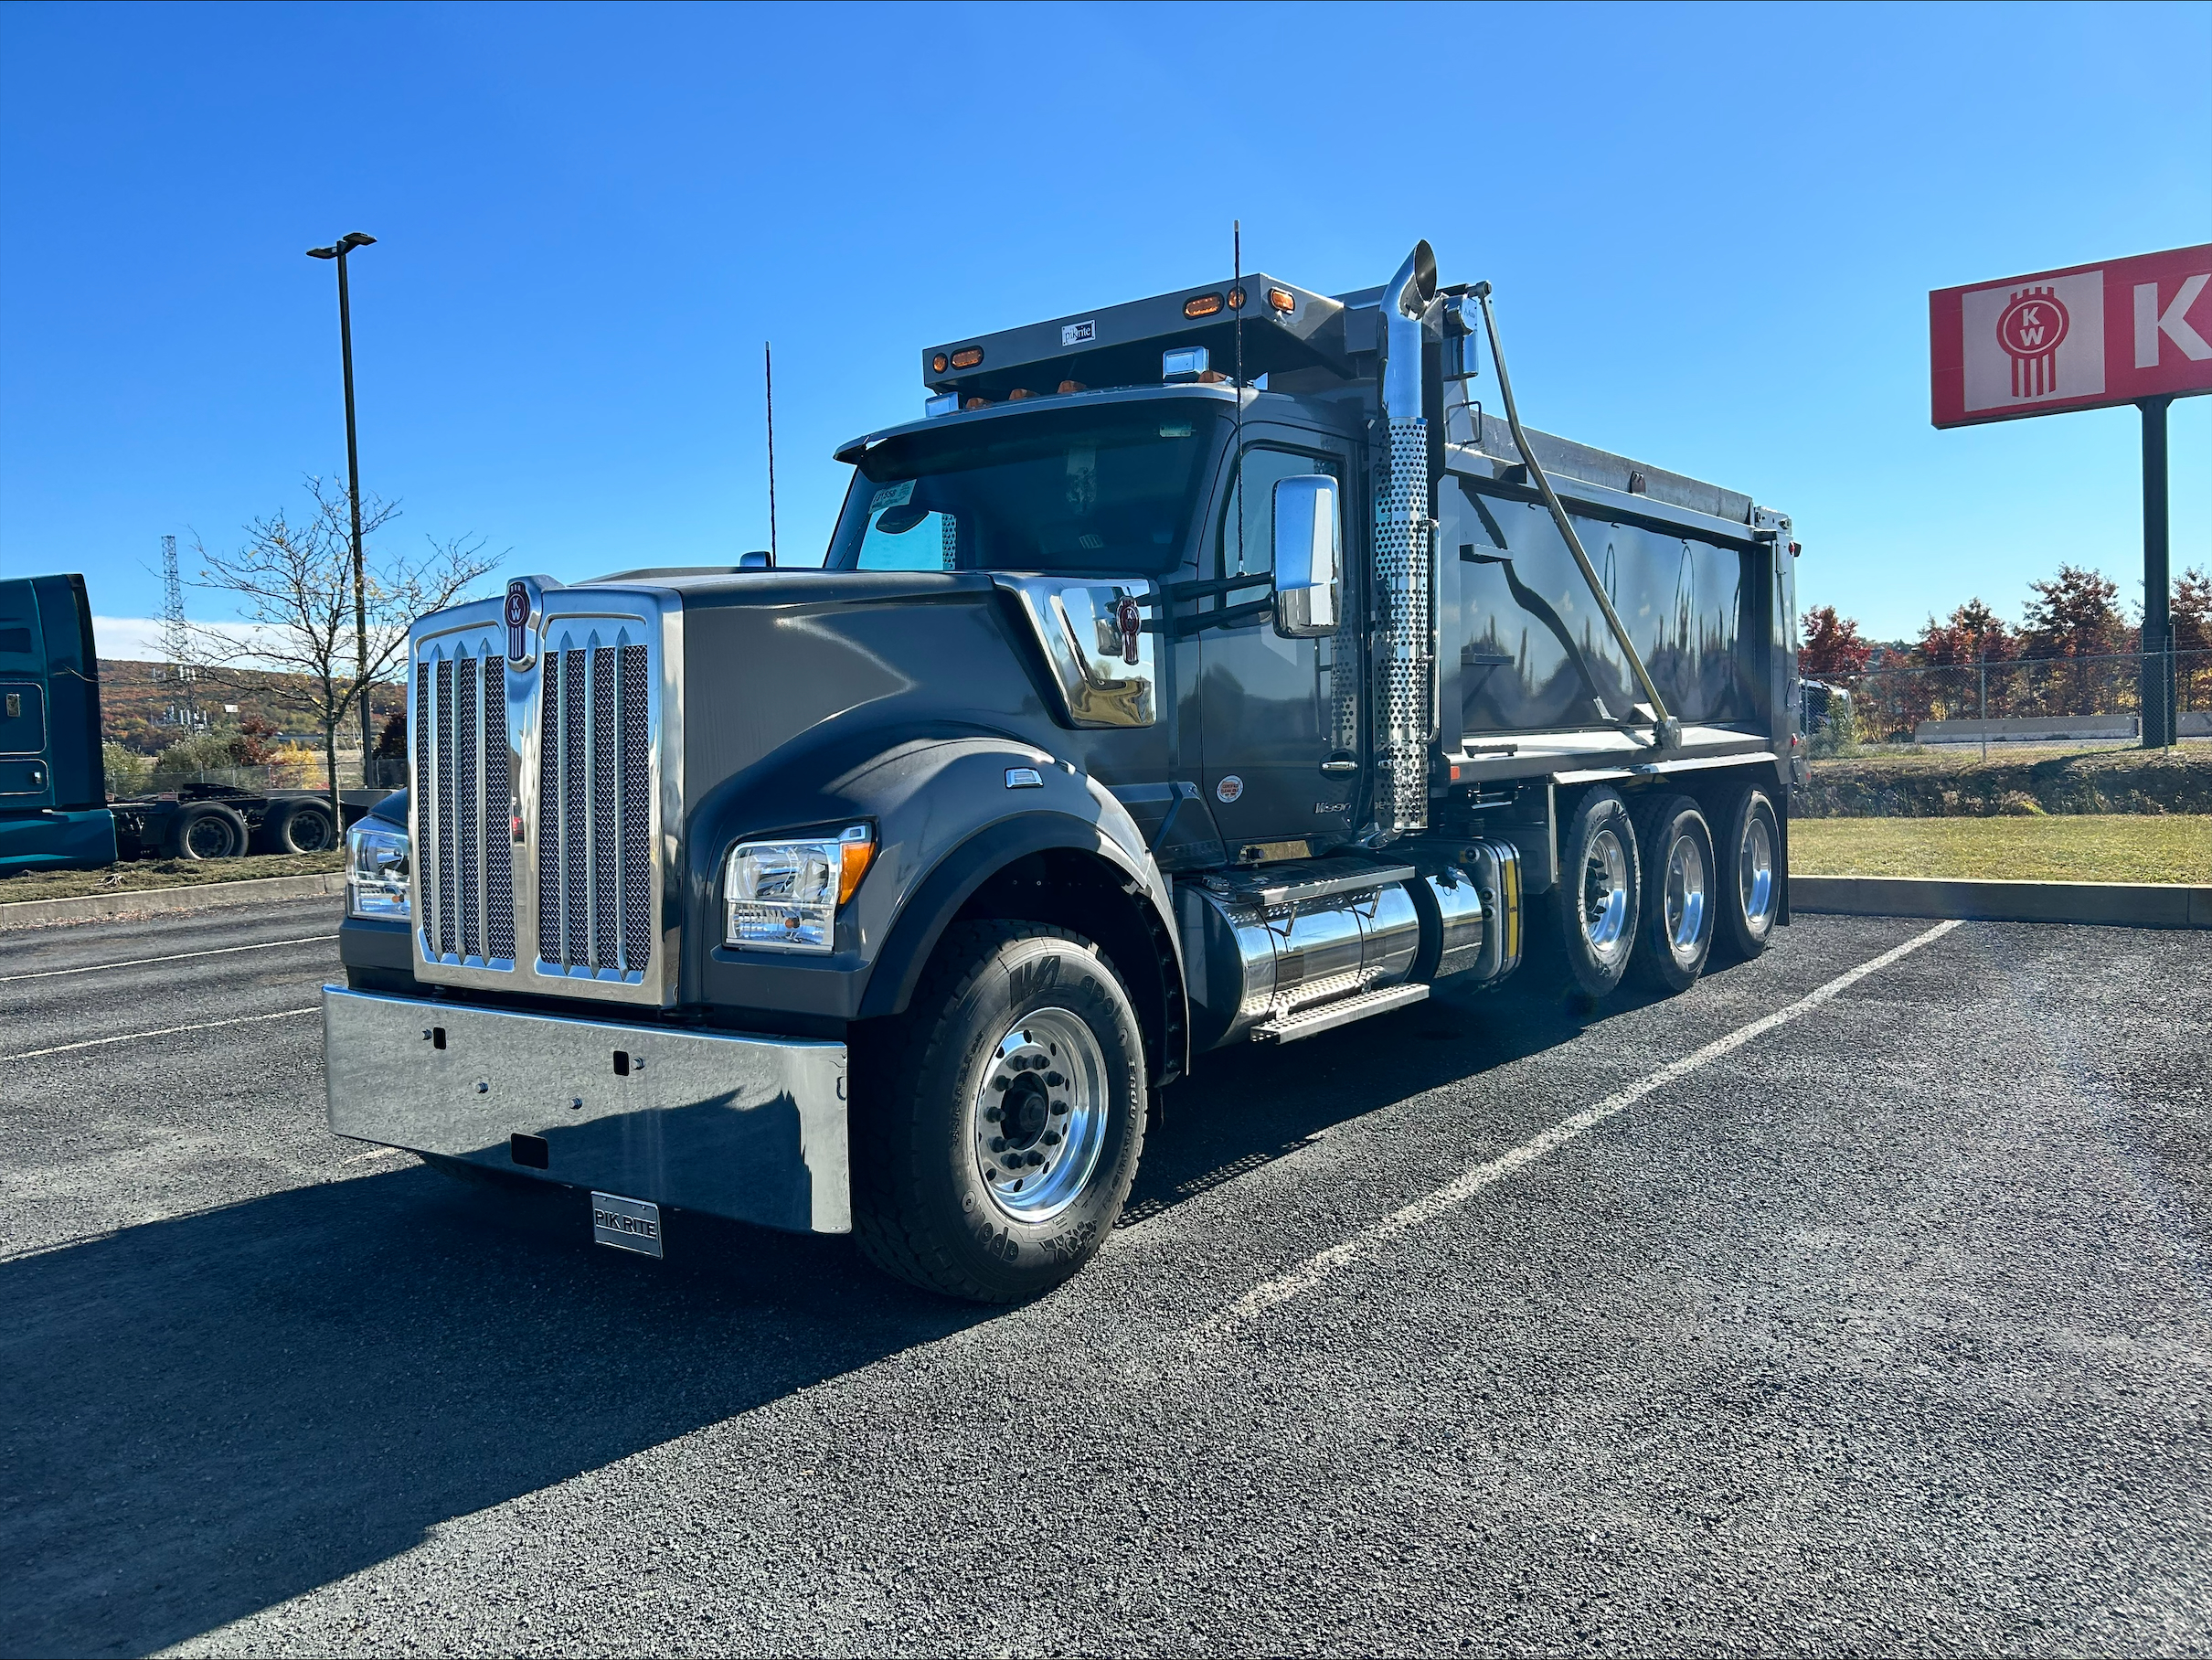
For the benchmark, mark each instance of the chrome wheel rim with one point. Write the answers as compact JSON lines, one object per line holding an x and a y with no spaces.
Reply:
{"x":1041,"y":1115}
{"x":1685,"y":897}
{"x":1605,"y":896}
{"x":1755,"y":869}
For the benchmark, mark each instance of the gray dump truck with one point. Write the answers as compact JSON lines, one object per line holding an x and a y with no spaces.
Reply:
{"x":1207,"y":670}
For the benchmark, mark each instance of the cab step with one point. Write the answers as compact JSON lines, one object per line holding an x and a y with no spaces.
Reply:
{"x":1289,"y":1028}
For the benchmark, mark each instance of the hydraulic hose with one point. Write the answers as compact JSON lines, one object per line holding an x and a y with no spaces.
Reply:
{"x":1666,"y":730}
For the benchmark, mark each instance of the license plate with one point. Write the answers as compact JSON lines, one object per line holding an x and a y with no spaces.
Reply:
{"x":626,"y":1224}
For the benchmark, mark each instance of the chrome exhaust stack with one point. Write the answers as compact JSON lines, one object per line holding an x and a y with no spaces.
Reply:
{"x":1404,"y":715}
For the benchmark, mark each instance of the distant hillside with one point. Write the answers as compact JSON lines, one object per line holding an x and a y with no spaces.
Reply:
{"x":141,"y":703}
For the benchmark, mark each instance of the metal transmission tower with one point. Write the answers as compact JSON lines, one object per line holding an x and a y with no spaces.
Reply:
{"x":176,"y":642}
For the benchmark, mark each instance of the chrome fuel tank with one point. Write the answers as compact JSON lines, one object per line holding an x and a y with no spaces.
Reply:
{"x":1263,"y":944}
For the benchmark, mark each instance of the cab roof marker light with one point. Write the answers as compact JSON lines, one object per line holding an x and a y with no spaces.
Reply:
{"x":945,"y":403}
{"x":939,"y":363}
{"x":1201,"y":306}
{"x":967,"y":358}
{"x":1185,"y":363}
{"x":1280,"y":299}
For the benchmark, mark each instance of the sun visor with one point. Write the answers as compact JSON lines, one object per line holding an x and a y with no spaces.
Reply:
{"x":1285,"y":327}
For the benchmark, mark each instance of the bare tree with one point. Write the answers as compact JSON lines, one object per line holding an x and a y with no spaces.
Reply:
{"x":292,"y":581}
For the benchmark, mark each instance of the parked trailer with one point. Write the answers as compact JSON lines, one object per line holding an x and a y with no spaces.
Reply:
{"x":205,"y":821}
{"x":1207,"y":670}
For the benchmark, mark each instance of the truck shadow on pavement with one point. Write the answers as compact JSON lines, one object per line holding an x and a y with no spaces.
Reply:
{"x":211,"y":1414}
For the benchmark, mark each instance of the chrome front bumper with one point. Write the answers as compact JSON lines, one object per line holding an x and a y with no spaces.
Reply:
{"x":748,"y":1128}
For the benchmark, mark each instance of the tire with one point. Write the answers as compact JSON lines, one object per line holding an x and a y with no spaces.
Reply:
{"x":299,"y":826}
{"x":1747,"y":835}
{"x":937,"y":1199}
{"x":206,"y":830}
{"x":1681,"y":894}
{"x":1595,"y":903}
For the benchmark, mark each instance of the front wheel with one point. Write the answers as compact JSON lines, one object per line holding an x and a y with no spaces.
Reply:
{"x":998,"y":1122}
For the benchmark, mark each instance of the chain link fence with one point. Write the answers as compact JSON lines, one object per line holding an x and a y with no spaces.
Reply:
{"x":2072,"y":702}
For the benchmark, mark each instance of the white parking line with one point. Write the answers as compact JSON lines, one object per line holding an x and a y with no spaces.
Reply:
{"x":1454,"y":1193}
{"x":222,"y":950}
{"x":205,"y":1026}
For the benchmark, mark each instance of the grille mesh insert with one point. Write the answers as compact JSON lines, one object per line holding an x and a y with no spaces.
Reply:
{"x":595,"y":824}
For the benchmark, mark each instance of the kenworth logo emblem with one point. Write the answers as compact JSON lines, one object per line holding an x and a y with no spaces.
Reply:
{"x":2029,"y":330}
{"x":521,"y":602}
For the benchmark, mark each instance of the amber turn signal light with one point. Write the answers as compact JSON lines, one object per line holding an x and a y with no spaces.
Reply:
{"x":856,"y":852}
{"x":1280,"y":299}
{"x":1201,"y":306}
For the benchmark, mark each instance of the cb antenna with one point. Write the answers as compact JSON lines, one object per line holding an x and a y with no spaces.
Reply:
{"x":768,"y":378}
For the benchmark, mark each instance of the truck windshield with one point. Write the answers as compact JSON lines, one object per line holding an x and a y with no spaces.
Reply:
{"x":1090,"y":490}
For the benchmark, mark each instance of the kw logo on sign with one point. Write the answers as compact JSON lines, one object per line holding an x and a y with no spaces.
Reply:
{"x":2029,"y":329}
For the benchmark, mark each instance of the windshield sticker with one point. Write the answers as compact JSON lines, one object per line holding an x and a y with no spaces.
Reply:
{"x":1079,"y":333}
{"x":892,"y":495}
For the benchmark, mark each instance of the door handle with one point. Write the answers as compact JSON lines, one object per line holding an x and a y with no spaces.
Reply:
{"x":1341,"y":761}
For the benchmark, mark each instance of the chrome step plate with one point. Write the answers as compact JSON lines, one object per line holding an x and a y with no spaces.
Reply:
{"x":626,"y":1224}
{"x":1289,"y":1028}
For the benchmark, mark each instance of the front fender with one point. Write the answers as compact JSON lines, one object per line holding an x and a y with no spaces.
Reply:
{"x":945,"y":821}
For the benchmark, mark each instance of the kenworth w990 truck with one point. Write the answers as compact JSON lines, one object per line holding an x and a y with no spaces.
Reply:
{"x":1201,"y":671}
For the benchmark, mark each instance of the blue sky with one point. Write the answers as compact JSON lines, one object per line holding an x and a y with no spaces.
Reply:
{"x":1712,"y":233}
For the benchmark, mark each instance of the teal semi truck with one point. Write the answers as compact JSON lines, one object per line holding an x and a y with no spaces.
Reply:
{"x":54,"y":811}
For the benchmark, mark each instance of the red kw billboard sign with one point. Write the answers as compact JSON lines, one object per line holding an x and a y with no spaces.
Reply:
{"x":2079,"y":338}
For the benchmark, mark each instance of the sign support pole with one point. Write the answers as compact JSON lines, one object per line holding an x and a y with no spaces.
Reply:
{"x":2157,"y":698}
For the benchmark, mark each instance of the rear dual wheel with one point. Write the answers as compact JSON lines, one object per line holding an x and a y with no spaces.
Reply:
{"x":1682,"y":888}
{"x":1597,"y":896}
{"x":1750,"y":846}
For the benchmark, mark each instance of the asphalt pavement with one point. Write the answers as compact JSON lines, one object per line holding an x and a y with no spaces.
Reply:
{"x":1494,"y":1324}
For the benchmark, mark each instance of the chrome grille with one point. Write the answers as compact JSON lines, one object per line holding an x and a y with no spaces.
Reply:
{"x":545,"y":788}
{"x":595,"y":817}
{"x":464,"y":786}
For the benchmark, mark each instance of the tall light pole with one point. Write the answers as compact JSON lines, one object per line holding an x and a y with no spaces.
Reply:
{"x":338,"y":251}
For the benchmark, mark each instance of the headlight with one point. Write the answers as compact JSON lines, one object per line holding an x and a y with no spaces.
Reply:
{"x":376,"y":870}
{"x":784,"y":895}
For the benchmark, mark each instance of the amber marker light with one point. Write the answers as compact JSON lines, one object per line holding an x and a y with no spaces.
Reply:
{"x":1201,"y":306}
{"x":1280,"y":299}
{"x":1235,"y":299}
{"x":856,"y":853}
{"x":967,"y":358}
{"x":938,"y":363}
{"x":1072,"y":385}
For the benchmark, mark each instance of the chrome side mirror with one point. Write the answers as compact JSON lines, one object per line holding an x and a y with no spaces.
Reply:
{"x":759,"y":558}
{"x":1308,"y":557}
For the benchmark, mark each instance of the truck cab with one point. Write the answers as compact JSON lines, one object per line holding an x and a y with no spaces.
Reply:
{"x":53,"y":786}
{"x":1201,"y":671}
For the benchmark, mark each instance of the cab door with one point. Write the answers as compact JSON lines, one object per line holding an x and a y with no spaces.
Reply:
{"x":1279,"y":718}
